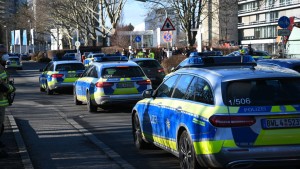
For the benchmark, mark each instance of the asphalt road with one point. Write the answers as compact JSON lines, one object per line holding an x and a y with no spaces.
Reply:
{"x":59,"y":134}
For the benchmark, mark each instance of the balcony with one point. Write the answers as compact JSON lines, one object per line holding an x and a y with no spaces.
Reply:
{"x":272,"y":7}
{"x":258,"y":23}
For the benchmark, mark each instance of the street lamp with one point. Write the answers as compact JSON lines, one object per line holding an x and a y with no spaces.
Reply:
{"x":166,"y":16}
{"x":6,"y":40}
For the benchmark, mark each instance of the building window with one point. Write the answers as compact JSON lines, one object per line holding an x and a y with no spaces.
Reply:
{"x":285,"y":2}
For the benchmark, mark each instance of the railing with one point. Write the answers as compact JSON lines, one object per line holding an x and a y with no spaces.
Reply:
{"x":258,"y":22}
{"x":273,"y":6}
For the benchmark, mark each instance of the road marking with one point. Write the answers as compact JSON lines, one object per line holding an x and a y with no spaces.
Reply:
{"x":20,"y":142}
{"x":106,"y":149}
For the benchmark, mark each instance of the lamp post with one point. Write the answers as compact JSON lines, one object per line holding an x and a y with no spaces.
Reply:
{"x":6,"y":40}
{"x":166,"y":12}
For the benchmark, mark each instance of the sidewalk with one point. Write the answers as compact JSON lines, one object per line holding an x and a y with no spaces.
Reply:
{"x":14,"y":160}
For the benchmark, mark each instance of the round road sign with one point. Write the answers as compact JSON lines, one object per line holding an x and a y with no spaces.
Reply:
{"x":138,"y":39}
{"x":77,"y":43}
{"x":167,"y":36}
{"x":284,"y":22}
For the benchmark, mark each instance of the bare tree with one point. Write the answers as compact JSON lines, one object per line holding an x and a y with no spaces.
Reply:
{"x":189,"y":15}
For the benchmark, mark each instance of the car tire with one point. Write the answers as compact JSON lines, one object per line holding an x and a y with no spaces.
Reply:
{"x":76,"y":101}
{"x":187,"y":155}
{"x":137,"y":134}
{"x":90,"y":106}
{"x":42,"y":89}
{"x":48,"y":91}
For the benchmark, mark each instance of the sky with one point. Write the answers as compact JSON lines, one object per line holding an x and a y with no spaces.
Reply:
{"x":134,"y":12}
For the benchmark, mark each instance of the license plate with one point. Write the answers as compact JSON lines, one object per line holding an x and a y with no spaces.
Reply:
{"x":153,"y":78}
{"x":125,"y":85}
{"x":281,"y":123}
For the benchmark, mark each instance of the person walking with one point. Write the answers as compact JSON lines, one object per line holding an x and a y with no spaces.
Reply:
{"x":5,"y":90}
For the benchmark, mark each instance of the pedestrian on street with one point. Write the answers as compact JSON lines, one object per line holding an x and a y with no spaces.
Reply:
{"x":5,"y":90}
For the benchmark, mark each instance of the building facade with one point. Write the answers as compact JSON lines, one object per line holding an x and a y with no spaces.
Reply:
{"x":258,"y":22}
{"x":219,"y":23}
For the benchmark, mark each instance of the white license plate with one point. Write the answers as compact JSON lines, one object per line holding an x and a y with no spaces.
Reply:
{"x":281,"y":123}
{"x":125,"y":85}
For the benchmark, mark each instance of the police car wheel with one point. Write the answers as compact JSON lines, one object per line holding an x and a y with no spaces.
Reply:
{"x":90,"y":106}
{"x":187,"y":156}
{"x":49,"y":91}
{"x":42,"y":89}
{"x":77,"y":102}
{"x":137,"y":134}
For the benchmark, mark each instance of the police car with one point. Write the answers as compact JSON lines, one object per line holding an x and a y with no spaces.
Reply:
{"x":109,"y":83}
{"x":293,"y":64}
{"x":14,"y":62}
{"x":60,"y":75}
{"x":90,"y":58}
{"x":235,"y":115}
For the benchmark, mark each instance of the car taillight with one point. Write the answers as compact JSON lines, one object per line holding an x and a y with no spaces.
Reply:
{"x":231,"y":121}
{"x":57,"y":75}
{"x":161,"y":70}
{"x":104,"y":84}
{"x":144,"y":82}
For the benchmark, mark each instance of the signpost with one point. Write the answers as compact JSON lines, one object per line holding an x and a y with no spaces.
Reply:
{"x":168,"y":26}
{"x":283,"y":22}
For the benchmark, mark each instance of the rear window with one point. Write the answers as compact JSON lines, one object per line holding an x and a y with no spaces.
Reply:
{"x":263,"y":92}
{"x":14,"y":59}
{"x":69,"y":67}
{"x":149,"y":64}
{"x":120,"y":72}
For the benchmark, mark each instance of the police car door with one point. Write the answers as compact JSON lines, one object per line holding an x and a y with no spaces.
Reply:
{"x":159,"y":105}
{"x":44,"y":74}
{"x":175,"y":116}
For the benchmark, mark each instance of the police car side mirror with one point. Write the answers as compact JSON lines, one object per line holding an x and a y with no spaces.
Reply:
{"x":148,"y":93}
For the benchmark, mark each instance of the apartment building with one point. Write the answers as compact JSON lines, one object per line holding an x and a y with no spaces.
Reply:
{"x":258,"y":22}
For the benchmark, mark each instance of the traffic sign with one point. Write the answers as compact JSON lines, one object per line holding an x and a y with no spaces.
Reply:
{"x":138,"y":39}
{"x":284,"y":22}
{"x":77,"y":44}
{"x":167,"y":36}
{"x":168,"y":26}
{"x":284,"y":32}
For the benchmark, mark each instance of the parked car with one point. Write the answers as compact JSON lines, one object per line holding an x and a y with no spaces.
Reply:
{"x":58,"y":75}
{"x":110,"y":84}
{"x":234,"y":116}
{"x":259,"y":55}
{"x":154,"y":71}
{"x":293,"y":64}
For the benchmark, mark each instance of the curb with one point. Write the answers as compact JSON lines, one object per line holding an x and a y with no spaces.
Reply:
{"x":20,"y":142}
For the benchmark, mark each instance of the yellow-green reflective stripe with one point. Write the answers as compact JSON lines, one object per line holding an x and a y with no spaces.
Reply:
{"x":165,"y":142}
{"x":3,"y":75}
{"x":283,"y":137}
{"x":4,"y":102}
{"x":208,"y":147}
{"x":70,"y":80}
{"x":288,"y":108}
{"x":126,"y":91}
{"x":190,"y":107}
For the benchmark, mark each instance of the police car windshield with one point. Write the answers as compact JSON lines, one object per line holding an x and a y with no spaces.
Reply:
{"x":69,"y":67}
{"x":263,"y":92}
{"x":121,"y":72}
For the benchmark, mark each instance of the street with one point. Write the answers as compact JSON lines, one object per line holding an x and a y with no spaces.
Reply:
{"x":59,"y":134}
